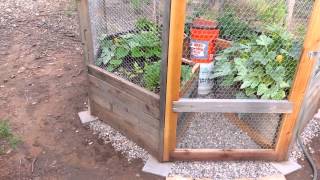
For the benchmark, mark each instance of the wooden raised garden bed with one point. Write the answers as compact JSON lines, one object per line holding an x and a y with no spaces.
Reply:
{"x":129,"y":108}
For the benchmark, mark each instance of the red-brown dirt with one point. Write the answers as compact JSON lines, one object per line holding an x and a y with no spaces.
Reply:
{"x":43,"y":85}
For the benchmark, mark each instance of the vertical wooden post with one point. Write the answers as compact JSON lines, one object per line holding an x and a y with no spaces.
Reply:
{"x":85,"y":30}
{"x":85,"y":33}
{"x":290,"y":9}
{"x":303,"y":75}
{"x":177,"y":20}
{"x":164,"y":69}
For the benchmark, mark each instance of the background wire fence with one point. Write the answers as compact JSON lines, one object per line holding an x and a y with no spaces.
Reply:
{"x":265,"y":40}
{"x":127,"y":39}
{"x":256,"y":56}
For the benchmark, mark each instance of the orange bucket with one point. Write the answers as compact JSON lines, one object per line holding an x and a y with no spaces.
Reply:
{"x":203,"y":38}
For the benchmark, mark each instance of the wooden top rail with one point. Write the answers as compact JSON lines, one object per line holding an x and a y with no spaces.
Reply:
{"x":232,"y":105}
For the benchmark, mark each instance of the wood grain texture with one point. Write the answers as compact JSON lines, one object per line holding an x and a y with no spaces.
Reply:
{"x":216,"y":154}
{"x":232,"y":105}
{"x":222,"y":44}
{"x":126,"y":86}
{"x":177,"y":19}
{"x":163,"y":71}
{"x":131,"y":115}
{"x":130,"y":105}
{"x":306,"y":64}
{"x":132,"y":131}
{"x":85,"y":30}
{"x":311,"y":102}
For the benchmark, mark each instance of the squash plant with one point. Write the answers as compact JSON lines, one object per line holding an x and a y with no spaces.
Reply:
{"x":144,"y":44}
{"x":263,"y":66}
{"x":151,"y":76}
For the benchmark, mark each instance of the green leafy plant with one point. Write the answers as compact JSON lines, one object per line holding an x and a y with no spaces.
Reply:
{"x":185,"y":73}
{"x":145,"y":24}
{"x":270,"y":12}
{"x":137,"y":4}
{"x":6,"y":137}
{"x":152,"y":75}
{"x":144,"y":44}
{"x":263,"y":66}
{"x":233,"y":28}
{"x":136,"y":71}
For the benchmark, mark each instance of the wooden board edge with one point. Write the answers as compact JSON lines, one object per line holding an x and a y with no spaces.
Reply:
{"x":114,"y":80}
{"x":225,"y":155}
{"x":300,"y":83}
{"x":163,"y":74}
{"x":232,"y":105}
{"x":176,"y":35}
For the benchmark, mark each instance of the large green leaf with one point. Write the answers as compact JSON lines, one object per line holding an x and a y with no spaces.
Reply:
{"x":245,"y":84}
{"x":264,"y":40}
{"x":224,"y":70}
{"x":262,"y":89}
{"x":121,"y":52}
{"x":116,"y":62}
{"x":278,"y":95}
{"x":259,"y":57}
{"x":250,"y":91}
{"x":136,"y":52}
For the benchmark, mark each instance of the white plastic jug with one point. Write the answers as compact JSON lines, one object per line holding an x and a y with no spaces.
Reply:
{"x":205,"y":78}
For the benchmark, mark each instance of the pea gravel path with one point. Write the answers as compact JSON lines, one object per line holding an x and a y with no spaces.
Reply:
{"x":213,"y":170}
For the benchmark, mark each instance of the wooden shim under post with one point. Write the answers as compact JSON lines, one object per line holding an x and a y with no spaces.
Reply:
{"x":176,"y":35}
{"x":256,"y":136}
{"x":303,"y":74}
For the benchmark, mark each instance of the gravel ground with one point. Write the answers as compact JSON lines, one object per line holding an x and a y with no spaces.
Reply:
{"x":120,"y":143}
{"x":214,"y":170}
{"x":214,"y":130}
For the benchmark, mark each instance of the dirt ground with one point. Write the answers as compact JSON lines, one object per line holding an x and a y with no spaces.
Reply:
{"x":42,"y":88}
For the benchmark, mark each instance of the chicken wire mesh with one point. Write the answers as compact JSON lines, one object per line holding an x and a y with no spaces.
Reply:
{"x":127,"y":39}
{"x":255,"y":47}
{"x":255,"y":44}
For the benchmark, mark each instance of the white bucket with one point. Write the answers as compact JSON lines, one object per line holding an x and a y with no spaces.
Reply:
{"x":205,"y":78}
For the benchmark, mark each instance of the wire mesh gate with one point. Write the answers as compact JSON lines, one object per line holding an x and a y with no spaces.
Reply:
{"x":255,"y":97}
{"x":143,"y":62}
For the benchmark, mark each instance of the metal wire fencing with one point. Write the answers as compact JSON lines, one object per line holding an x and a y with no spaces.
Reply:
{"x":254,"y":47}
{"x":127,"y":39}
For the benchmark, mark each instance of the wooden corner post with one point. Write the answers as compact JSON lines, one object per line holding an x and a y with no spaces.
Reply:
{"x":303,"y":75}
{"x":176,"y":35}
{"x":85,"y":30}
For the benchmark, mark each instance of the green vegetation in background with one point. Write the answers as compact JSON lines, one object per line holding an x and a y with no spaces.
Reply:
{"x":142,"y":49}
{"x":264,"y":66}
{"x":152,"y":75}
{"x":6,"y":137}
{"x":137,"y":5}
{"x":144,"y":44}
{"x":269,"y":11}
{"x":233,"y":28}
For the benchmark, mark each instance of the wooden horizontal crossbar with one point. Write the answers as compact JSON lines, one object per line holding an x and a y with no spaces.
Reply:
{"x":223,"y":154}
{"x":232,"y":105}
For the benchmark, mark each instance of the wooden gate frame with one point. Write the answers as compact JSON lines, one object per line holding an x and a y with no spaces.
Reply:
{"x":172,"y":86}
